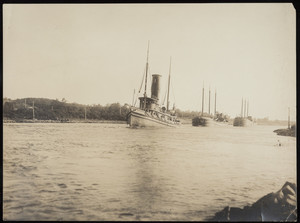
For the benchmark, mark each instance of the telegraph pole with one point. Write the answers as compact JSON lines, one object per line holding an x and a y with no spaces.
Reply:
{"x":33,"y":110}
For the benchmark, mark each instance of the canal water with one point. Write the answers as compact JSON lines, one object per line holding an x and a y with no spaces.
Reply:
{"x":94,"y":171}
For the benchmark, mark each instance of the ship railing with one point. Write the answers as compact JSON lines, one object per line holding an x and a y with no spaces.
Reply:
{"x":161,"y":115}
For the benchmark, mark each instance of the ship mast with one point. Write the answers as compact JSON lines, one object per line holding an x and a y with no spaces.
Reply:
{"x":242,"y":108}
{"x":289,"y":126}
{"x":169,"y":85}
{"x":245,"y":109}
{"x":33,"y":110}
{"x":209,"y":102}
{"x":145,"y":93}
{"x":133,"y":96}
{"x":202,"y":99}
{"x":215,"y":102}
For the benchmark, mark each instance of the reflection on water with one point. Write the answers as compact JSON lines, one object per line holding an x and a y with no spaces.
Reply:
{"x":65,"y":171}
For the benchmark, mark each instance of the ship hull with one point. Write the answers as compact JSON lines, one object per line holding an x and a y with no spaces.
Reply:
{"x":238,"y":121}
{"x":140,"y":118}
{"x":207,"y":122}
{"x":202,"y":121}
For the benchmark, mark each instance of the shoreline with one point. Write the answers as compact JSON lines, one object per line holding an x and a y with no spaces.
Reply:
{"x":286,"y":132}
{"x":6,"y":120}
{"x":63,"y":121}
{"x":184,"y":121}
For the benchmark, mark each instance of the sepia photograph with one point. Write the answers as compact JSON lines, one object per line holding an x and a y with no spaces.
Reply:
{"x":149,"y":112}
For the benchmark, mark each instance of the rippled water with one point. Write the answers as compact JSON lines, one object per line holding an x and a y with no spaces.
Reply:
{"x":90,"y":171}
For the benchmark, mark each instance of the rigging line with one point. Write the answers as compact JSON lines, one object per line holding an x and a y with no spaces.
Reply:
{"x":142,"y":80}
{"x":164,"y":98}
{"x":136,"y":97}
{"x":169,"y":77}
{"x":173,"y":91}
{"x":165,"y":94}
{"x":135,"y":102}
{"x":149,"y":78}
{"x":133,"y":97}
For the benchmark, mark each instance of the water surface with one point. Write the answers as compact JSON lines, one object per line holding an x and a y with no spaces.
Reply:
{"x":94,"y":171}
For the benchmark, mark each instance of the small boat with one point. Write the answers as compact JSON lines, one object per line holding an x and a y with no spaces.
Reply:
{"x":150,"y":113}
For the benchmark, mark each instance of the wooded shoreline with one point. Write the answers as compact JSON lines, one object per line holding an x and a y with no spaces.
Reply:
{"x":43,"y":110}
{"x":63,"y":121}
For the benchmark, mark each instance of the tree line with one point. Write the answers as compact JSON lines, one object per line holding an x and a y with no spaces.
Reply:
{"x":49,"y":109}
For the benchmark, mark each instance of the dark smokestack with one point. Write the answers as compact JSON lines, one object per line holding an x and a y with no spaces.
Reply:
{"x":155,"y":88}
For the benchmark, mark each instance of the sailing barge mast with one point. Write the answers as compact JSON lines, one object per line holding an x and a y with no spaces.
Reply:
{"x":169,"y":86}
{"x":145,"y":93}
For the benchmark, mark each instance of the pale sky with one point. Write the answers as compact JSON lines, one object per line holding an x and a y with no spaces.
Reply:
{"x":96,"y":53}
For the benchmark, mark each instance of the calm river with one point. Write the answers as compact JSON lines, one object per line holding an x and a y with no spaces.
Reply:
{"x":94,"y":171}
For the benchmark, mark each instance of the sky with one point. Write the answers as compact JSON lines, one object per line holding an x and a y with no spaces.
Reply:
{"x":96,"y":54}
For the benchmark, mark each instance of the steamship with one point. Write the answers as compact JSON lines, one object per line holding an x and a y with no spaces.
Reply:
{"x":150,"y":113}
